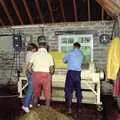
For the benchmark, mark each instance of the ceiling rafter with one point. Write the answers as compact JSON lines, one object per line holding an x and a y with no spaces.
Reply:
{"x":17,"y":12}
{"x":50,"y":9}
{"x":28,"y":12}
{"x":89,"y":15}
{"x":1,"y":22}
{"x":62,"y":9}
{"x":75,"y":10}
{"x":6,"y":12}
{"x":112,"y":8}
{"x":39,"y":10}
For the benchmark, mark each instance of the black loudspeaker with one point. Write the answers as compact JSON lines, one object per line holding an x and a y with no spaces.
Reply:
{"x":104,"y":39}
{"x":17,"y":42}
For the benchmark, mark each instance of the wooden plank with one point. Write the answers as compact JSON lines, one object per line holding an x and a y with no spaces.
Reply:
{"x":117,"y":2}
{"x":62,"y":9}
{"x":27,"y":10}
{"x":89,"y":15}
{"x":110,"y":7}
{"x":6,"y":12}
{"x":17,"y":12}
{"x":39,"y":10}
{"x":75,"y":10}
{"x":50,"y":10}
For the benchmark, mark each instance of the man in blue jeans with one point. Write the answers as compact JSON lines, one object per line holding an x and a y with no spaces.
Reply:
{"x":28,"y":98}
{"x":74,"y":59}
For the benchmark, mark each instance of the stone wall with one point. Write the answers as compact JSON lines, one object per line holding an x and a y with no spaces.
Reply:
{"x":32,"y":32}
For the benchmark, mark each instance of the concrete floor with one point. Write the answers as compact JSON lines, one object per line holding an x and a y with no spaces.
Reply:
{"x":10,"y":108}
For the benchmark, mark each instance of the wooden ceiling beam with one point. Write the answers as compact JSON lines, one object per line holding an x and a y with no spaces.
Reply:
{"x":110,"y":7}
{"x":75,"y":10}
{"x":6,"y":12}
{"x":116,"y":3}
{"x":50,"y":9}
{"x":62,"y":9}
{"x":17,"y":12}
{"x":89,"y":15}
{"x":27,"y":10}
{"x":39,"y":10}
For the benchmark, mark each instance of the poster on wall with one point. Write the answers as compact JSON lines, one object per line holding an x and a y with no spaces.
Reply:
{"x":66,"y":45}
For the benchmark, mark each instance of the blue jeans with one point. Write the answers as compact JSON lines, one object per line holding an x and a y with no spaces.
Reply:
{"x":29,"y":94}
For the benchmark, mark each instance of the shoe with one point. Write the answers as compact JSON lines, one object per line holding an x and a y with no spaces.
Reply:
{"x":30,"y":105}
{"x":69,"y":110}
{"x":26,"y":109}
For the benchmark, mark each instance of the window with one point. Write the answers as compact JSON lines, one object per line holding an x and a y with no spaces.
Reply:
{"x":86,"y":41}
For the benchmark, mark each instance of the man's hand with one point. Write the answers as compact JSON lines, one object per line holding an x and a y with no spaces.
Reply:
{"x":30,"y":70}
{"x":52,"y":70}
{"x":30,"y":67}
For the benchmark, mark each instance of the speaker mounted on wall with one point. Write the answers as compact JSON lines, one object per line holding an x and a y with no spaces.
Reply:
{"x":17,"y":42}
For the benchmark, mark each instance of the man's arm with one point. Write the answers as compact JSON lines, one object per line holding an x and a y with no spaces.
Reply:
{"x":52,"y":69}
{"x":65,"y":59}
{"x":30,"y":67}
{"x":30,"y":64}
{"x":52,"y":66}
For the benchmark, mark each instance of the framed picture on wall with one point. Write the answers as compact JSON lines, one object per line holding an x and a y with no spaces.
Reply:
{"x":86,"y":41}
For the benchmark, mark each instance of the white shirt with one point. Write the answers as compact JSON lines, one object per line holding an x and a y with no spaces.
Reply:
{"x":28,"y":57}
{"x":41,"y":61}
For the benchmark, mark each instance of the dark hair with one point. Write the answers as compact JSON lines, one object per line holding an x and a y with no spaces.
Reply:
{"x":77,"y":45}
{"x":41,"y":39}
{"x":31,"y":46}
{"x":48,"y":48}
{"x":43,"y":45}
